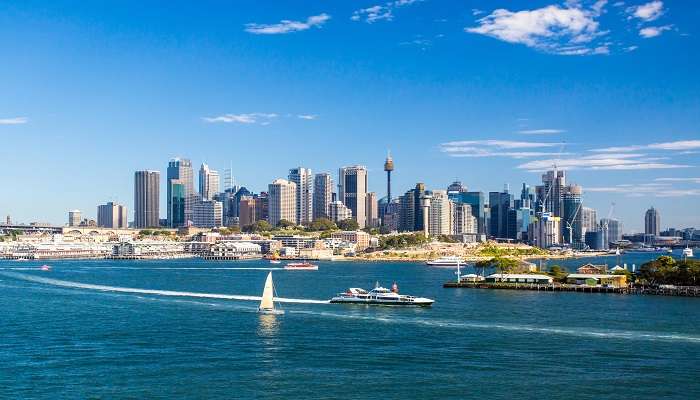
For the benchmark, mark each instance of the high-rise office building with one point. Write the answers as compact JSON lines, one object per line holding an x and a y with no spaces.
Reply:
{"x":282,"y":196}
{"x":177,"y":202}
{"x":527,"y":197}
{"x":146,"y":199}
{"x":246,"y":209}
{"x":499,"y":204}
{"x":477,"y":202}
{"x":352,"y":191}
{"x":545,"y":230}
{"x":209,"y":182}
{"x":74,"y":218}
{"x":652,"y":222}
{"x":262,"y":206}
{"x":612,"y":231}
{"x":323,"y":194}
{"x":463,"y":222}
{"x":440,"y":219}
{"x":112,"y":215}
{"x":572,"y":217}
{"x":207,"y":214}
{"x":372,"y":210}
{"x":589,"y":218}
{"x":302,"y":177}
{"x":550,"y":194}
{"x":455,"y":188}
{"x":337,"y":211}
{"x":410,"y":209}
{"x":180,"y":170}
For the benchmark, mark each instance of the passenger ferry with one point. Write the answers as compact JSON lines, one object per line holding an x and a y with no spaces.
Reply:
{"x":448,"y":261}
{"x":380,"y":296}
{"x":301,"y":266}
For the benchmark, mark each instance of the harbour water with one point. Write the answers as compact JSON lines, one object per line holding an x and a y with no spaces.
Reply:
{"x":175,"y":336}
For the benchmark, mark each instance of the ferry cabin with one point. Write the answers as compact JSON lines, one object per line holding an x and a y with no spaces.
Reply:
{"x":519,"y":278}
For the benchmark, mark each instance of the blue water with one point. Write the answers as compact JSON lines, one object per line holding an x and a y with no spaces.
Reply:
{"x":72,"y":342}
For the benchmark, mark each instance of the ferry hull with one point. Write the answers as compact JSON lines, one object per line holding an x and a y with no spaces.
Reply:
{"x":415,"y":303}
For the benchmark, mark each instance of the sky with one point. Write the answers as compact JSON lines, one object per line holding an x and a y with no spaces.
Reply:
{"x":487,"y":92}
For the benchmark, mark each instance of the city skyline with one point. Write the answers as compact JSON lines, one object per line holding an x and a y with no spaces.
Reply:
{"x":457,"y":99}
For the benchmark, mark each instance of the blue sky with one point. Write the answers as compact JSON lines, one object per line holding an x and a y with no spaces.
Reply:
{"x":487,"y":92}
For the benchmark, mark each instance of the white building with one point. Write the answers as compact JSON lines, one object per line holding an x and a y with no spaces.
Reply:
{"x":230,"y":250}
{"x":282,"y":201}
{"x":207,"y":214}
{"x":74,"y":218}
{"x":440,"y":214}
{"x":209,"y":182}
{"x":337,"y":211}
{"x":302,"y":177}
{"x":463,"y":221}
{"x":545,"y":231}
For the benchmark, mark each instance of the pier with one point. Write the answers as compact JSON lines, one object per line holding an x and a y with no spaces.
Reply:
{"x":684,"y":291}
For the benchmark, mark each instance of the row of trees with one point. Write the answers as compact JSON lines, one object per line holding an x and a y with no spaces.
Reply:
{"x":317,"y":225}
{"x":402,"y":241}
{"x":666,"y":270}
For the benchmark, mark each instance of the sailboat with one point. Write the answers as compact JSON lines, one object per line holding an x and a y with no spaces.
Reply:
{"x":267,"y":304}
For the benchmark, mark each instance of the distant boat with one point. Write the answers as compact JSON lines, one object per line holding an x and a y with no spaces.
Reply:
{"x":688,"y":252}
{"x":48,"y":268}
{"x":449,"y":261}
{"x":301,"y":266}
{"x":275,"y":261}
{"x":267,"y":304}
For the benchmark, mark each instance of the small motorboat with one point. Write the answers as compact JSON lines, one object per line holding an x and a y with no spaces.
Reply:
{"x":45,"y":267}
{"x":275,"y":261}
{"x":301,"y":266}
{"x":267,"y":303}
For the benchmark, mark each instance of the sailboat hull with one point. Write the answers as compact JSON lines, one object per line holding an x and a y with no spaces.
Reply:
{"x":270,"y":311}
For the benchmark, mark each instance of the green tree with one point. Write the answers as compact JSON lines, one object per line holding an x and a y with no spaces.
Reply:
{"x":146,"y":232}
{"x":322,"y":224}
{"x":283,"y":223}
{"x":348,"y":225}
{"x":558,"y":272}
{"x":259,"y":226}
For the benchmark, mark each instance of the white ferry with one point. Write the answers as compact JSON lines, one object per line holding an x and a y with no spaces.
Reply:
{"x":301,"y":266}
{"x":448,"y":261}
{"x":380,"y":296}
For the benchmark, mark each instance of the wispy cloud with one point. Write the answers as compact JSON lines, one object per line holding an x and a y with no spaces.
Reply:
{"x":307,"y":116}
{"x":540,"y":131}
{"x":645,"y":189}
{"x":601,"y":162}
{"x":680,"y":145}
{"x":496,"y":148}
{"x":252,"y":118}
{"x":682,"y":180}
{"x":567,"y":30}
{"x":653,"y":31}
{"x":647,"y":12}
{"x":287,"y":26}
{"x":14,"y":121}
{"x":380,"y":12}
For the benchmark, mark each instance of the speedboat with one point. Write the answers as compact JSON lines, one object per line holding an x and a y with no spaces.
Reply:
{"x":687,"y":252}
{"x":301,"y":266}
{"x":380,"y":296}
{"x":275,"y":261}
{"x":448,"y":261}
{"x":45,"y":267}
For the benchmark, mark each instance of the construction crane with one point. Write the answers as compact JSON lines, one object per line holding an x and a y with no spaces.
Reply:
{"x":543,"y":203}
{"x":605,"y":224}
{"x":569,"y":224}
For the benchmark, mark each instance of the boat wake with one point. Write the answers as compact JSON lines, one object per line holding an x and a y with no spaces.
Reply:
{"x":118,"y":289}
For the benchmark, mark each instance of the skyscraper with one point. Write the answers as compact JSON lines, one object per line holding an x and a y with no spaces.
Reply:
{"x":612,"y":231}
{"x":146,"y":199}
{"x":372,"y":210}
{"x":652,"y":222}
{"x":246,"y":209}
{"x":208,"y":182}
{"x":499,"y":204}
{"x":477,"y":202}
{"x":440,"y":221}
{"x":337,"y":211}
{"x":112,"y":215}
{"x":177,"y":201}
{"x":590,"y":219}
{"x":550,"y":194}
{"x":74,"y":218}
{"x":572,"y":217}
{"x":352,"y":191}
{"x":462,"y":220}
{"x":207,"y":214}
{"x":304,"y":198}
{"x":282,"y":196}
{"x":323,"y":194}
{"x":181,"y":170}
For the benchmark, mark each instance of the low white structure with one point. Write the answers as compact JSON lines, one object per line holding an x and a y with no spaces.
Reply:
{"x":520,"y":278}
{"x":233,"y":250}
{"x":150,"y":249}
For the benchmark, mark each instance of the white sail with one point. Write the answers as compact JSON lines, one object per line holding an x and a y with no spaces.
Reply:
{"x":266,"y":302}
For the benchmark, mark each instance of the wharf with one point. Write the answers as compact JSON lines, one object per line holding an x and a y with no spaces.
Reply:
{"x":683,"y":291}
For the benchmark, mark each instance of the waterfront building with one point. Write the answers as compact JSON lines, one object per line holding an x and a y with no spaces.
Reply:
{"x":499,"y":204}
{"x":372,"y":208}
{"x":652,"y":222}
{"x":180,"y":170}
{"x":247,"y":211}
{"x":233,"y":250}
{"x":74,"y":218}
{"x":112,"y":215}
{"x":323,"y":194}
{"x":550,"y":194}
{"x":302,"y":177}
{"x":572,"y":224}
{"x":207,"y":214}
{"x":352,"y":191}
{"x":282,"y":201}
{"x":519,"y":278}
{"x":146,"y":199}
{"x":359,"y":238}
{"x":545,"y":230}
{"x":209,"y":184}
{"x":337,"y":211}
{"x":176,"y":203}
{"x":440,"y":214}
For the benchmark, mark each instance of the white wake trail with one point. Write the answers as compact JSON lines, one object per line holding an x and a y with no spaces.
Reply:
{"x":89,"y":286}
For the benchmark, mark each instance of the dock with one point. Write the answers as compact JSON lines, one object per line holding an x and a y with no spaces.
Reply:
{"x":684,"y":291}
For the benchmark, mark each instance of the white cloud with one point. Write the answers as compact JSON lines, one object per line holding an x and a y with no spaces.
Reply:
{"x":307,"y":116}
{"x":683,"y":180}
{"x":653,"y":31}
{"x":540,"y":131}
{"x":601,"y":162}
{"x":252,"y":118}
{"x":681,"y":145}
{"x":287,"y":26}
{"x":496,"y":148}
{"x":383,"y":12}
{"x":647,"y":12}
{"x":476,"y":11}
{"x":14,"y":121}
{"x":565,"y":30}
{"x":645,"y":189}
